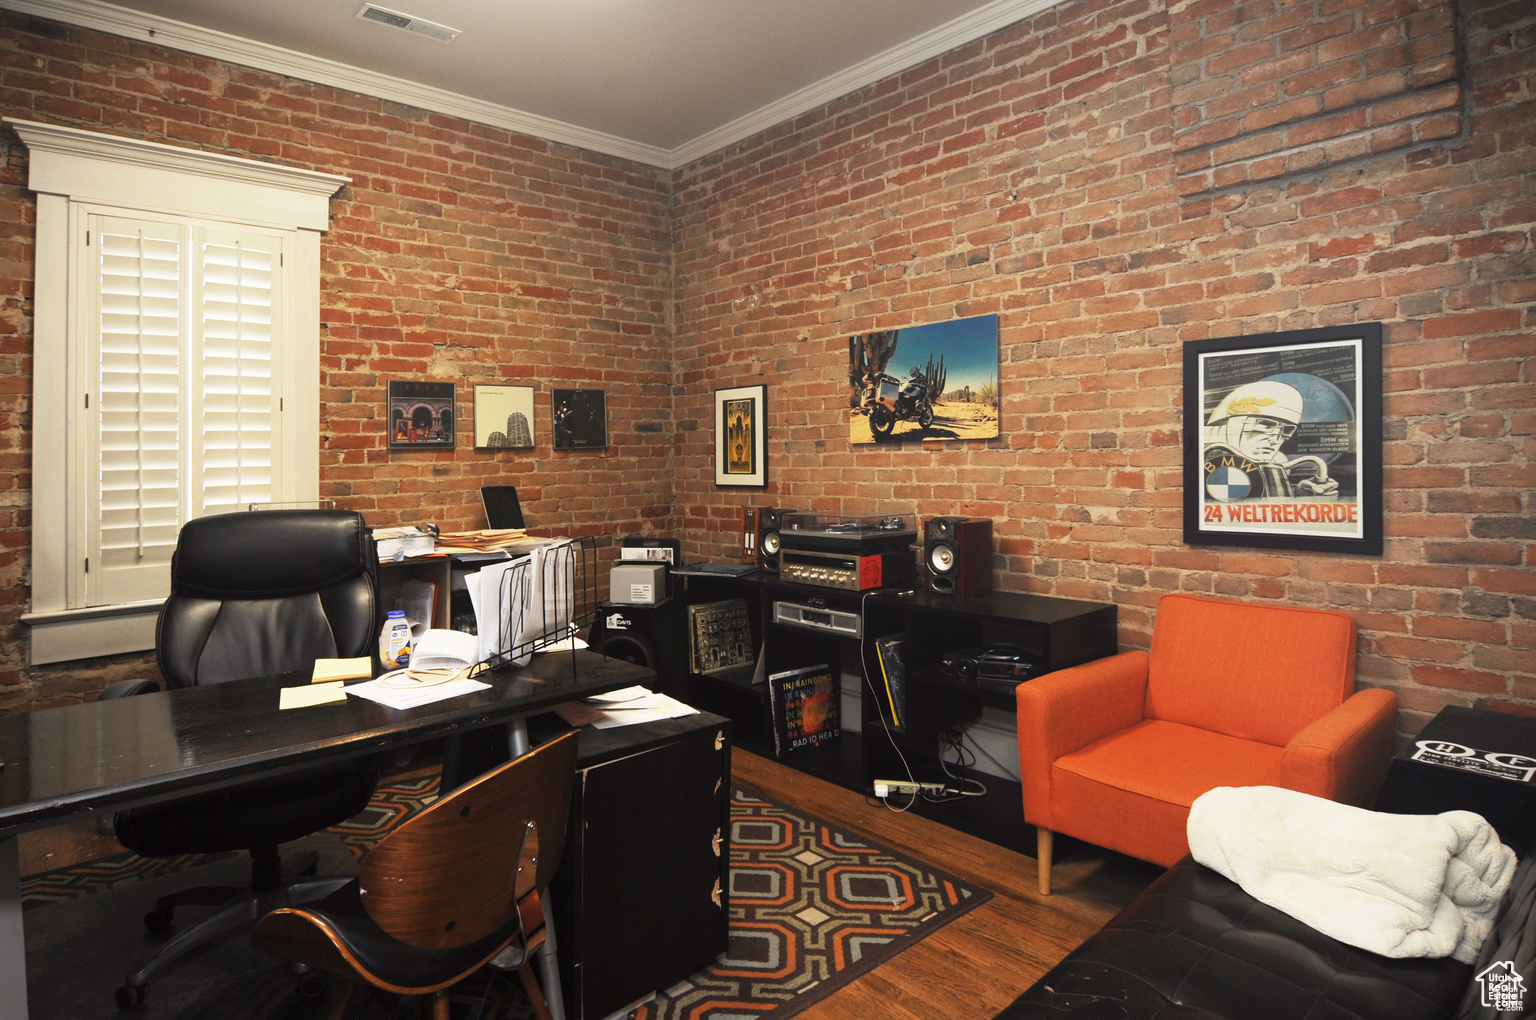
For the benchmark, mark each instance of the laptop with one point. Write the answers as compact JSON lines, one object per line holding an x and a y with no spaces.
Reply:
{"x":502,"y":509}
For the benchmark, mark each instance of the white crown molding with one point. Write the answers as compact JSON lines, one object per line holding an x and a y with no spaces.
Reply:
{"x":965,"y":29}
{"x":105,"y":17}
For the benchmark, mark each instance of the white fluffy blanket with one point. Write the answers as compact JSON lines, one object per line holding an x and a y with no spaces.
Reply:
{"x":1397,"y":885}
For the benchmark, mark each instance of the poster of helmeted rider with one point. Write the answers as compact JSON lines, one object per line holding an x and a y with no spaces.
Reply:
{"x":1286,"y":432}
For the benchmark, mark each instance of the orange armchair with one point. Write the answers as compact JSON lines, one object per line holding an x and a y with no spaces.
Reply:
{"x":1113,"y":752}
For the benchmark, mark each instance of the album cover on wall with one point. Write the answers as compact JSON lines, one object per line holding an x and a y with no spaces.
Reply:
{"x":581,"y":419}
{"x":421,"y":414}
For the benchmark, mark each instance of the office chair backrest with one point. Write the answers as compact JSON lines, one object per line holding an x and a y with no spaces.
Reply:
{"x":265,"y":592}
{"x":453,"y":874}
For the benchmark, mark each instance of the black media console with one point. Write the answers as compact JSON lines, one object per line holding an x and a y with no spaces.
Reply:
{"x":797,"y":625}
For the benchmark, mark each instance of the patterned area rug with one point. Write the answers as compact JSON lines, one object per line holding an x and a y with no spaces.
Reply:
{"x":812,"y":908}
{"x":396,"y":798}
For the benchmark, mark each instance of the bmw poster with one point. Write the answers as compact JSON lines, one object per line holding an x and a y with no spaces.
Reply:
{"x":1282,"y":440}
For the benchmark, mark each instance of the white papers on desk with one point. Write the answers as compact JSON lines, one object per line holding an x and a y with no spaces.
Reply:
{"x":640,"y":706}
{"x":522,"y":600}
{"x":499,"y":593}
{"x":413,"y":697}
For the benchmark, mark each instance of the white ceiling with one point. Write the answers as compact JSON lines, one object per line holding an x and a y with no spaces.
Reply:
{"x":659,"y":81}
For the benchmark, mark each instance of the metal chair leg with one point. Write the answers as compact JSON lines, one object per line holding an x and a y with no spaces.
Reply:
{"x":549,"y":964}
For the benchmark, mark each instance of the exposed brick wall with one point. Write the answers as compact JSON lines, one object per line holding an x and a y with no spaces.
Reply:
{"x":1266,"y":89}
{"x":1052,"y":174}
{"x":458,"y":253}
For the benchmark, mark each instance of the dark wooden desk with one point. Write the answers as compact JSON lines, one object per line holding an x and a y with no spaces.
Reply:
{"x":65,"y":763}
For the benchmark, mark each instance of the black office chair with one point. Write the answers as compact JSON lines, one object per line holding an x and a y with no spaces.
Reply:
{"x":453,"y":888}
{"x":253,"y":594}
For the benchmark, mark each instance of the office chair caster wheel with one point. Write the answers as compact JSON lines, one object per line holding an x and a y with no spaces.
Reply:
{"x":129,"y":996}
{"x":159,"y":921}
{"x":312,"y":985}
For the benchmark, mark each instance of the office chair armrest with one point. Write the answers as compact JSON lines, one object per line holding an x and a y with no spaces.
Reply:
{"x":1344,"y":755}
{"x":128,"y":688}
{"x":1069,"y":709}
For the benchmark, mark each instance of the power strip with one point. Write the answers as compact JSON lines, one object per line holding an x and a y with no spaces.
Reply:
{"x":885,"y":787}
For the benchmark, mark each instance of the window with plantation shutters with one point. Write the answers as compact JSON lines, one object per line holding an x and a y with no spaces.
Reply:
{"x":236,"y":371}
{"x":183,"y":423}
{"x":176,"y":366}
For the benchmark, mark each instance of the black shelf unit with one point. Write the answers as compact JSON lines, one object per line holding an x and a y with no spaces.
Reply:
{"x":1060,"y":632}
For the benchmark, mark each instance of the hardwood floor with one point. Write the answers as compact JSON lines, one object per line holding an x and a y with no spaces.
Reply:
{"x":979,"y":963}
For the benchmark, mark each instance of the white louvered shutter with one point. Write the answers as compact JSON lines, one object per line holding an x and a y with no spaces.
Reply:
{"x":136,"y":503}
{"x":186,"y":412}
{"x":234,"y":401}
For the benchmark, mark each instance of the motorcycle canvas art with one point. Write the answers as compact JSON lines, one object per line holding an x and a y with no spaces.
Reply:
{"x":936,"y":381}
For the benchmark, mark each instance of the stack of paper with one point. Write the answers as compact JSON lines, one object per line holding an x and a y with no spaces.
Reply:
{"x":326,"y":670}
{"x":490,"y":540}
{"x":623,"y":708}
{"x":398,"y":543}
{"x":403,"y":696}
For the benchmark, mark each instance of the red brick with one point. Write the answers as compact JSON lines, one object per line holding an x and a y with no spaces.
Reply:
{"x":1046,"y":174}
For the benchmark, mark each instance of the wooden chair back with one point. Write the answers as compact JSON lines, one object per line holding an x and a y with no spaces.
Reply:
{"x":454,"y":873}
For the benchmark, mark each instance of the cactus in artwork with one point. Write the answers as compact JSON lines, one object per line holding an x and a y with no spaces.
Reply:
{"x":867,"y":357}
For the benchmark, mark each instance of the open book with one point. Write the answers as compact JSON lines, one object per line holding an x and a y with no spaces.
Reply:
{"x":444,"y":665}
{"x":445,"y":649}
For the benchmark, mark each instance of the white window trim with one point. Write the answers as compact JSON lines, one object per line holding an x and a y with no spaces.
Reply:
{"x":68,"y":168}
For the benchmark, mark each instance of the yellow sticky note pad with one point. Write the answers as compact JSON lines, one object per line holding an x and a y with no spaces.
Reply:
{"x":314,"y":694}
{"x":326,"y":670}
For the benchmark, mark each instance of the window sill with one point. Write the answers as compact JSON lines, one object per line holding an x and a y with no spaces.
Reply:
{"x":69,"y":634}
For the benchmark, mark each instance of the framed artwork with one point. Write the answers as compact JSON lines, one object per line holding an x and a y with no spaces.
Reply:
{"x":1282,"y":440}
{"x":741,"y":421}
{"x":421,"y":415}
{"x":581,"y":419}
{"x":503,"y":417}
{"x":938,"y":381}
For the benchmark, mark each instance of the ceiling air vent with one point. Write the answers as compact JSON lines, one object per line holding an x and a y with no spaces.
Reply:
{"x":394,"y":19}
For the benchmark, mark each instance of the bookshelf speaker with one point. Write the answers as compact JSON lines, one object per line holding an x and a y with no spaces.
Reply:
{"x":654,"y":636}
{"x":957,"y":555}
{"x":769,"y":529}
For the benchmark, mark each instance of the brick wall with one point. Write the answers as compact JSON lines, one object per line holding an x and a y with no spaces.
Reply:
{"x":1114,"y":179}
{"x":458,"y":253}
{"x":1070,"y":174}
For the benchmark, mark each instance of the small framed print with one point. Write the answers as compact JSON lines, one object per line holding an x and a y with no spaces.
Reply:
{"x":503,"y":417}
{"x":421,"y":415}
{"x":581,"y":419}
{"x":1282,"y":440}
{"x":741,"y":422}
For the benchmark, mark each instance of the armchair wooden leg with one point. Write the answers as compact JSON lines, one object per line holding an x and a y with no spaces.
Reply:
{"x":1043,"y":854}
{"x":534,"y":992}
{"x":440,"y":1005}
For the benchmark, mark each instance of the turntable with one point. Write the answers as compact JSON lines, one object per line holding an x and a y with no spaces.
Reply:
{"x":852,"y":553}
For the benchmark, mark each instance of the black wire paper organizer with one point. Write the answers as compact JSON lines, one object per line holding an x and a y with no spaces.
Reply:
{"x":562,"y":579}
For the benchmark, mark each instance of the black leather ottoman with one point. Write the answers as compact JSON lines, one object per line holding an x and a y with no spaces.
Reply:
{"x":1194,"y":946}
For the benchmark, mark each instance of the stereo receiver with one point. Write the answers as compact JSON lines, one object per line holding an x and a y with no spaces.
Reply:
{"x":850,"y":572}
